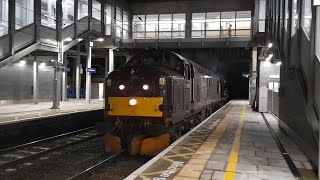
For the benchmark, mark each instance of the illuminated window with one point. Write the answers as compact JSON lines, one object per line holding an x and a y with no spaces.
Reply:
{"x":262,"y":15}
{"x":68,"y":12}
{"x":108,"y":19}
{"x":138,"y":27}
{"x":286,"y":15}
{"x":243,"y":23}
{"x":228,"y":23}
{"x":24,"y":13}
{"x":317,"y":34}
{"x":178,"y":25}
{"x":83,"y":9}
{"x":96,"y":10}
{"x":125,"y":33}
{"x":152,"y":25}
{"x":307,"y":16}
{"x":48,"y":13}
{"x":213,"y":25}
{"x":198,"y":25}
{"x":295,"y":17}
{"x":4,"y":13}
{"x":118,"y":22}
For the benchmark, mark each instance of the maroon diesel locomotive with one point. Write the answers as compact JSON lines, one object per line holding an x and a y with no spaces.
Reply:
{"x":156,"y":96}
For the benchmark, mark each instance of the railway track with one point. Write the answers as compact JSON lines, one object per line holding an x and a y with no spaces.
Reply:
{"x":15,"y":155}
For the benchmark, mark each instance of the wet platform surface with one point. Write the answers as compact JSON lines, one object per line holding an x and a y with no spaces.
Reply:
{"x":20,"y":112}
{"x":233,"y":143}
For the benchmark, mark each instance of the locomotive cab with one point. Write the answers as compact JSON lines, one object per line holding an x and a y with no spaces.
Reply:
{"x":149,"y":98}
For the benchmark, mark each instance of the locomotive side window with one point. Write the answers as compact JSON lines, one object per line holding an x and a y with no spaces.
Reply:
{"x":187,"y":72}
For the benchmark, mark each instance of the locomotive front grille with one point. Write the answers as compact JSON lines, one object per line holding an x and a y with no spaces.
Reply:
{"x":135,"y":106}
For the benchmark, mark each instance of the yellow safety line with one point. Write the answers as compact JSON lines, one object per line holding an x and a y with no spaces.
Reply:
{"x":231,"y":168}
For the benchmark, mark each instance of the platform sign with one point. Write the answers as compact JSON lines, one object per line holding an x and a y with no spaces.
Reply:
{"x":91,"y":70}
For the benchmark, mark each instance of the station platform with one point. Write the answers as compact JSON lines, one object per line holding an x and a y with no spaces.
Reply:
{"x":24,"y":112}
{"x":233,"y":143}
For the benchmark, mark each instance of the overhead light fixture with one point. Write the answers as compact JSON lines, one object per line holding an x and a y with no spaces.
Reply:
{"x":100,"y":39}
{"x":269,"y":57}
{"x":80,"y":39}
{"x":270,"y":45}
{"x":278,"y":64}
{"x":68,"y":39}
{"x":22,"y":62}
{"x":42,"y":64}
{"x":52,"y":60}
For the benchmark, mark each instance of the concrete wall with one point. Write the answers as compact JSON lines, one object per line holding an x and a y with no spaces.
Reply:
{"x":183,"y":6}
{"x":16,"y":82}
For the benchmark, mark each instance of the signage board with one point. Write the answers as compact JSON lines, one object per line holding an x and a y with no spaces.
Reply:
{"x":91,"y":70}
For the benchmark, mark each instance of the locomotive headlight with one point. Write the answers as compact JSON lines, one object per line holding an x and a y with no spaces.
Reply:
{"x":121,"y":87}
{"x":132,"y":102}
{"x":145,"y":87}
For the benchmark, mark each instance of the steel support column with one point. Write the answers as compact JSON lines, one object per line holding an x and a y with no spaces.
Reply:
{"x":64,"y":77}
{"x":88,"y":74}
{"x":35,"y":80}
{"x":78,"y":73}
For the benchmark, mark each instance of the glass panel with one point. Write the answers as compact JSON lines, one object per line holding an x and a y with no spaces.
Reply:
{"x":152,"y":22}
{"x":118,"y":22}
{"x":4,"y":13}
{"x":180,"y":34}
{"x":262,"y":15}
{"x":286,"y":15}
{"x":108,"y":19}
{"x":243,"y":20}
{"x":276,"y":86}
{"x":178,"y":22}
{"x":165,"y":24}
{"x":96,"y":10}
{"x":213,"y":21}
{"x":213,"y":34}
{"x":270,"y":86}
{"x":317,"y":34}
{"x":68,"y":12}
{"x":138,"y":26}
{"x":198,"y":23}
{"x":307,"y":13}
{"x":24,"y":13}
{"x":83,"y":9}
{"x":228,"y":23}
{"x":295,"y":18}
{"x":125,"y":25}
{"x":48,"y":13}
{"x":198,"y":34}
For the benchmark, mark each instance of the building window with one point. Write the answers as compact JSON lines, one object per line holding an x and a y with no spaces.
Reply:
{"x":125,"y":32}
{"x":317,"y":34}
{"x":48,"y":13}
{"x":24,"y":13}
{"x":152,"y":26}
{"x":165,"y":26}
{"x":83,"y":9}
{"x":273,"y":86}
{"x":68,"y":12}
{"x":307,"y":16}
{"x":295,"y":17}
{"x":96,"y":10}
{"x":108,"y":19}
{"x":262,"y":15}
{"x":118,"y":22}
{"x":4,"y":13}
{"x":178,"y":25}
{"x":243,"y":24}
{"x":138,"y":25}
{"x":213,"y":25}
{"x":198,"y":23}
{"x":228,"y":23}
{"x":286,"y":20}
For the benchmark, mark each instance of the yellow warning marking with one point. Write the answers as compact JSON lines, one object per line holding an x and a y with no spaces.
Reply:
{"x":231,"y":168}
{"x":204,"y":149}
{"x":189,"y":149}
